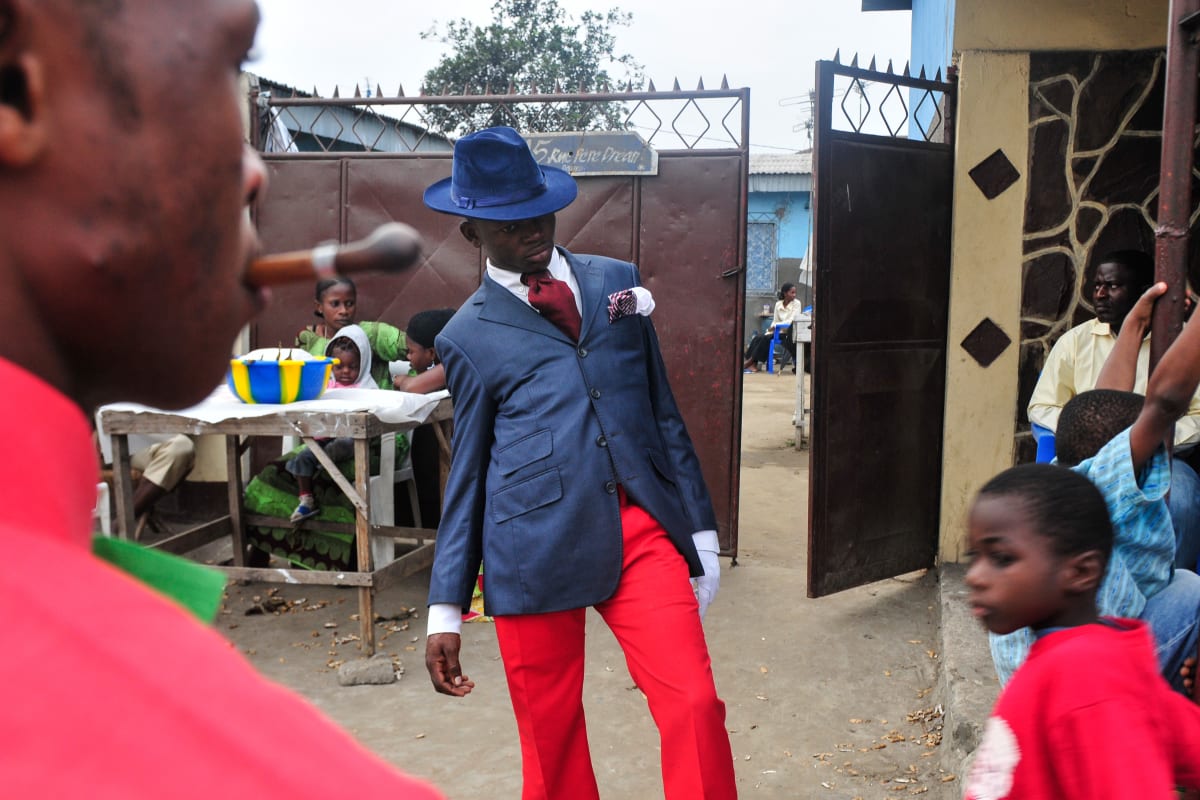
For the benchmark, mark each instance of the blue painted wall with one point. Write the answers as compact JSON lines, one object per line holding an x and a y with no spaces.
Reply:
{"x":794,"y":223}
{"x":932,"y":36}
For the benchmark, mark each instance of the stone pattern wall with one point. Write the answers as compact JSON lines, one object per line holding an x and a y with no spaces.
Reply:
{"x":1095,"y":141}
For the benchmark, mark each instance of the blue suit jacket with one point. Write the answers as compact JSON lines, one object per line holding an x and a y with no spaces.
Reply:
{"x":544,"y":431}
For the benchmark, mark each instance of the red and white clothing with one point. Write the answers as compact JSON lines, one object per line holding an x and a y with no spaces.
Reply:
{"x":1088,"y":717}
{"x":113,"y":691}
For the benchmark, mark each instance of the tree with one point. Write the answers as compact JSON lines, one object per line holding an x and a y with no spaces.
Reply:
{"x":532,"y":46}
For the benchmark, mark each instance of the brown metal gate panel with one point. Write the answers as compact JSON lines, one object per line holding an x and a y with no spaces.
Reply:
{"x":684,"y":227}
{"x":882,"y":256}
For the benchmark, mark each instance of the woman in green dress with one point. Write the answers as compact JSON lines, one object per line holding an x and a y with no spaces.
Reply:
{"x":336,"y":304}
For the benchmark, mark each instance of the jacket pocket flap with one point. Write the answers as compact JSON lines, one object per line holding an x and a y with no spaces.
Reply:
{"x":540,"y":490}
{"x":525,"y":451}
{"x":660,"y":464}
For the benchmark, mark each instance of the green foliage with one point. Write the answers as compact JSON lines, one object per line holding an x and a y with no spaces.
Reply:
{"x":532,"y":46}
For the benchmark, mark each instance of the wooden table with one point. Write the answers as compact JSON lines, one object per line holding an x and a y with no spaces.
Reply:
{"x":295,"y":419}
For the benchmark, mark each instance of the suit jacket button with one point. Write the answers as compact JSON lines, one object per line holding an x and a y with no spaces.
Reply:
{"x":582,"y":352}
{"x":595,"y":393}
{"x":601,"y":441}
{"x":610,"y":487}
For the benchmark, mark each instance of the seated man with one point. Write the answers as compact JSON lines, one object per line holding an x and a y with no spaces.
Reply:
{"x":164,"y":461}
{"x":163,"y":465}
{"x":1074,"y":364}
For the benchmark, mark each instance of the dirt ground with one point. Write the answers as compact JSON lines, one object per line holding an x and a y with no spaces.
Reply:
{"x":828,"y":698}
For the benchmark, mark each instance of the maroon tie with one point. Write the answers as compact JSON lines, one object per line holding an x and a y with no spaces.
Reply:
{"x":553,"y":298}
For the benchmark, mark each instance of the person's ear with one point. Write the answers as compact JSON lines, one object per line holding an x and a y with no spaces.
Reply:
{"x":22,"y":89}
{"x":470,"y":232}
{"x":1083,"y":572}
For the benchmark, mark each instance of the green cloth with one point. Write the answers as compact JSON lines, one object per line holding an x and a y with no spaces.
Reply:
{"x":273,"y":492}
{"x":197,"y":588}
{"x":388,"y":343}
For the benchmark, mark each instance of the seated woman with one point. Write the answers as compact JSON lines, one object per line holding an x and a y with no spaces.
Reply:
{"x":336,"y":305}
{"x":787,"y":309}
{"x":426,"y":373}
{"x":295,"y":488}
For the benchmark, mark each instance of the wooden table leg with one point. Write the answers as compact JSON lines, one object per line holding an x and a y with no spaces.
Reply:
{"x":362,"y":539}
{"x":237,"y":514}
{"x":122,"y":486}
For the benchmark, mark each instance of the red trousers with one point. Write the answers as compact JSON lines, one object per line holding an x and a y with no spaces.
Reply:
{"x":656,"y":621}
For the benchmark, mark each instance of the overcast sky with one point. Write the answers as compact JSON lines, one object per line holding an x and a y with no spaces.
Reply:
{"x":769,"y":45}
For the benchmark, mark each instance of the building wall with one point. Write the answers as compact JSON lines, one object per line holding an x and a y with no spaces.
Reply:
{"x":985,"y":283}
{"x":1070,"y":92}
{"x":932,"y":35}
{"x":1030,"y":25}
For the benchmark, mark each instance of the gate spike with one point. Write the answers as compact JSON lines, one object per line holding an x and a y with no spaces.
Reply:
{"x":854,"y":61}
{"x":938,"y":75}
{"x":889,"y":69}
{"x":629,"y":87}
{"x":872,"y":67}
{"x":724,"y":82}
{"x":837,"y":56}
{"x":357,"y":91}
{"x":335,"y":91}
{"x":466,"y":90}
{"x":533,"y":88}
{"x":511,"y":89}
{"x":907,"y":74}
{"x":315,"y":92}
{"x":558,"y":87}
{"x":652,"y":85}
{"x":400,"y":90}
{"x":700,"y":85}
{"x":676,"y":88}
{"x":603,"y":88}
{"x":378,"y":90}
{"x":922,"y":75}
{"x":487,"y":87}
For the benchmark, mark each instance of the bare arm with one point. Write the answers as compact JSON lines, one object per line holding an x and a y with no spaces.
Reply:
{"x":431,"y":380}
{"x":1168,"y":394}
{"x":1120,"y":368}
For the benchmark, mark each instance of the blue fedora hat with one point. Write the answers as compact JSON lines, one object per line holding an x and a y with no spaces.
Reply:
{"x":494,"y":176}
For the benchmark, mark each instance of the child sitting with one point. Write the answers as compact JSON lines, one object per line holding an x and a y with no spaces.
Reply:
{"x":1086,"y":715}
{"x":426,"y":373}
{"x":351,"y":371}
{"x":1115,"y":439}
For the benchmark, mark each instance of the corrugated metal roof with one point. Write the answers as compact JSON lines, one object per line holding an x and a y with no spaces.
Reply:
{"x":781,"y":163}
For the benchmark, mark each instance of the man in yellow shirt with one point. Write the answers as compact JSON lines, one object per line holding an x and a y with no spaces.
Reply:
{"x":1074,"y":364}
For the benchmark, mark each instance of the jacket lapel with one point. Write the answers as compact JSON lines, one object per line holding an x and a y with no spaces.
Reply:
{"x":591,"y":290}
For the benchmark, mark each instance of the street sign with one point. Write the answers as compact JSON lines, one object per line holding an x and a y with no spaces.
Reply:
{"x":584,"y":153}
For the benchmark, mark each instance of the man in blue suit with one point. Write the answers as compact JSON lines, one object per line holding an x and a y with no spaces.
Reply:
{"x":574,"y":481}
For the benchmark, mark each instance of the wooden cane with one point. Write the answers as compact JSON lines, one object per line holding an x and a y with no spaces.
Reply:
{"x":390,"y":248}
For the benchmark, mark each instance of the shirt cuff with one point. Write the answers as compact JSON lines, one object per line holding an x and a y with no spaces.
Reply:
{"x":444,"y":618}
{"x":706,"y":540}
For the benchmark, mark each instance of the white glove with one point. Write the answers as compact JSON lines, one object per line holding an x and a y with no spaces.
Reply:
{"x":707,"y":584}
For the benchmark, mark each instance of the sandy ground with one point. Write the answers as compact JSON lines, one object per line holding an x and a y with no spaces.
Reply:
{"x":828,"y":698}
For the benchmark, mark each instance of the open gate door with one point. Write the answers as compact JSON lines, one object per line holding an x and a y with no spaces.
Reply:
{"x":882,"y":267}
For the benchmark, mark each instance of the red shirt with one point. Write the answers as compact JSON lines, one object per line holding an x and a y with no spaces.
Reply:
{"x":1087,"y":716}
{"x":109,"y":690}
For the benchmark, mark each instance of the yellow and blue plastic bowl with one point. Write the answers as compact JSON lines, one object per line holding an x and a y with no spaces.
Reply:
{"x":278,"y":381}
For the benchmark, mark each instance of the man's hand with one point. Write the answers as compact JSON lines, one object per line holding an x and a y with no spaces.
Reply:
{"x":441,"y":659}
{"x":707,"y":584}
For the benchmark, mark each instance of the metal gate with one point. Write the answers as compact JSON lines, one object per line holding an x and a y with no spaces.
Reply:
{"x":882,"y":209}
{"x":685,"y":227}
